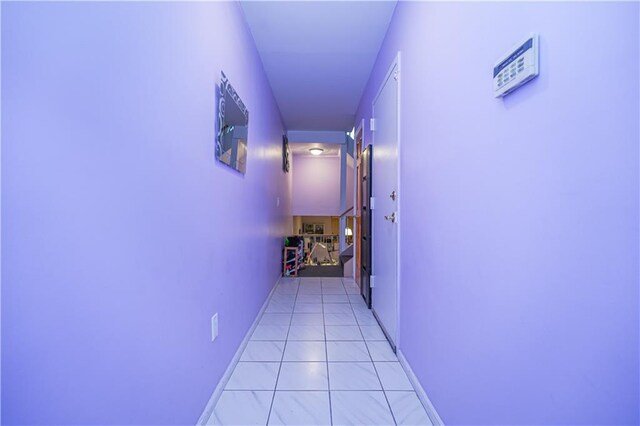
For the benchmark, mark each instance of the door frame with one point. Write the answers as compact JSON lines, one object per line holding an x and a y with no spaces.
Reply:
{"x":395,"y":63}
{"x":356,"y":187}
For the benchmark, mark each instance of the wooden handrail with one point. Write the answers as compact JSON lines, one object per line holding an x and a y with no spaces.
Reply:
{"x":346,"y":211}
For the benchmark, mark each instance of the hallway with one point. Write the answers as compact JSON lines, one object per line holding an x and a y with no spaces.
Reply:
{"x":320,"y":348}
{"x":165,"y":163}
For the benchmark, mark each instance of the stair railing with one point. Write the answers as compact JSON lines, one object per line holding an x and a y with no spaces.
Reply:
{"x":346,"y":228}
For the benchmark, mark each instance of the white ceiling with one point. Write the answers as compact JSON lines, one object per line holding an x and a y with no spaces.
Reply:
{"x":318,"y":56}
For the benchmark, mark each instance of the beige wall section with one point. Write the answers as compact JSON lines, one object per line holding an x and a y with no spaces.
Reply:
{"x":297,"y":225}
{"x":331,"y":223}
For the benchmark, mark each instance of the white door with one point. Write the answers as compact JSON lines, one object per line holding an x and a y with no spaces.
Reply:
{"x":385,"y":210}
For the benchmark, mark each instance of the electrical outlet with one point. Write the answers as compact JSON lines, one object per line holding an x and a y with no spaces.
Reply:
{"x":277,"y":201}
{"x":214,"y":326}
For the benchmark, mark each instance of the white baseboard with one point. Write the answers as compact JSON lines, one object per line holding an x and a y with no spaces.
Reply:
{"x":208,"y":410}
{"x":422,"y":395}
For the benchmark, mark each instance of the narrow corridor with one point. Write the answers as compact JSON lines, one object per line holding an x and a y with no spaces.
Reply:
{"x":472,"y":165}
{"x":318,"y":357}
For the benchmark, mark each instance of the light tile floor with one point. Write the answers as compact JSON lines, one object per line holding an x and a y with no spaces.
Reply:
{"x":318,"y":357}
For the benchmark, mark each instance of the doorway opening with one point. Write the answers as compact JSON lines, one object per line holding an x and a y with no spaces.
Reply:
{"x":321,"y":236}
{"x":322,"y":206}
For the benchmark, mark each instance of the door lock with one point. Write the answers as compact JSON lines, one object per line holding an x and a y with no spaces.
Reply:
{"x":393,"y":195}
{"x":391,"y":217}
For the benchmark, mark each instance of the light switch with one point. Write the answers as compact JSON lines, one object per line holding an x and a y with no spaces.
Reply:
{"x":214,"y":326}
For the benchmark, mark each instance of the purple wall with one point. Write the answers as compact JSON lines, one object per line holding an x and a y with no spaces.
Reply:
{"x":121,"y":234}
{"x":316,"y":185}
{"x":519,"y":223}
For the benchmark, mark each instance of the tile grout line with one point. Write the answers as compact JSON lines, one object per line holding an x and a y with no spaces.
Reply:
{"x":323,"y":313}
{"x":326,"y":354}
{"x":273,"y":398}
{"x":317,"y":341}
{"x":375,"y":369}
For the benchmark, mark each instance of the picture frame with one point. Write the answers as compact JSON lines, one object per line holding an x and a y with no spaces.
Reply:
{"x":286,"y":153}
{"x":313,"y":228}
{"x":232,"y":128}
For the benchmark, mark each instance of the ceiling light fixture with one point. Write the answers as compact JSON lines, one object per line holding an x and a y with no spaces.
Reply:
{"x":316,"y":151}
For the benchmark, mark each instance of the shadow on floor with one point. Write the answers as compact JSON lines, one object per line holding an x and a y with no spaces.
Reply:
{"x":321,"y":271}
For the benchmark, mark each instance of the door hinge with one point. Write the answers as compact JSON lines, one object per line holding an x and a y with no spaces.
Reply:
{"x":372,"y":124}
{"x":372,"y":281}
{"x":395,"y":75}
{"x":372,"y":203}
